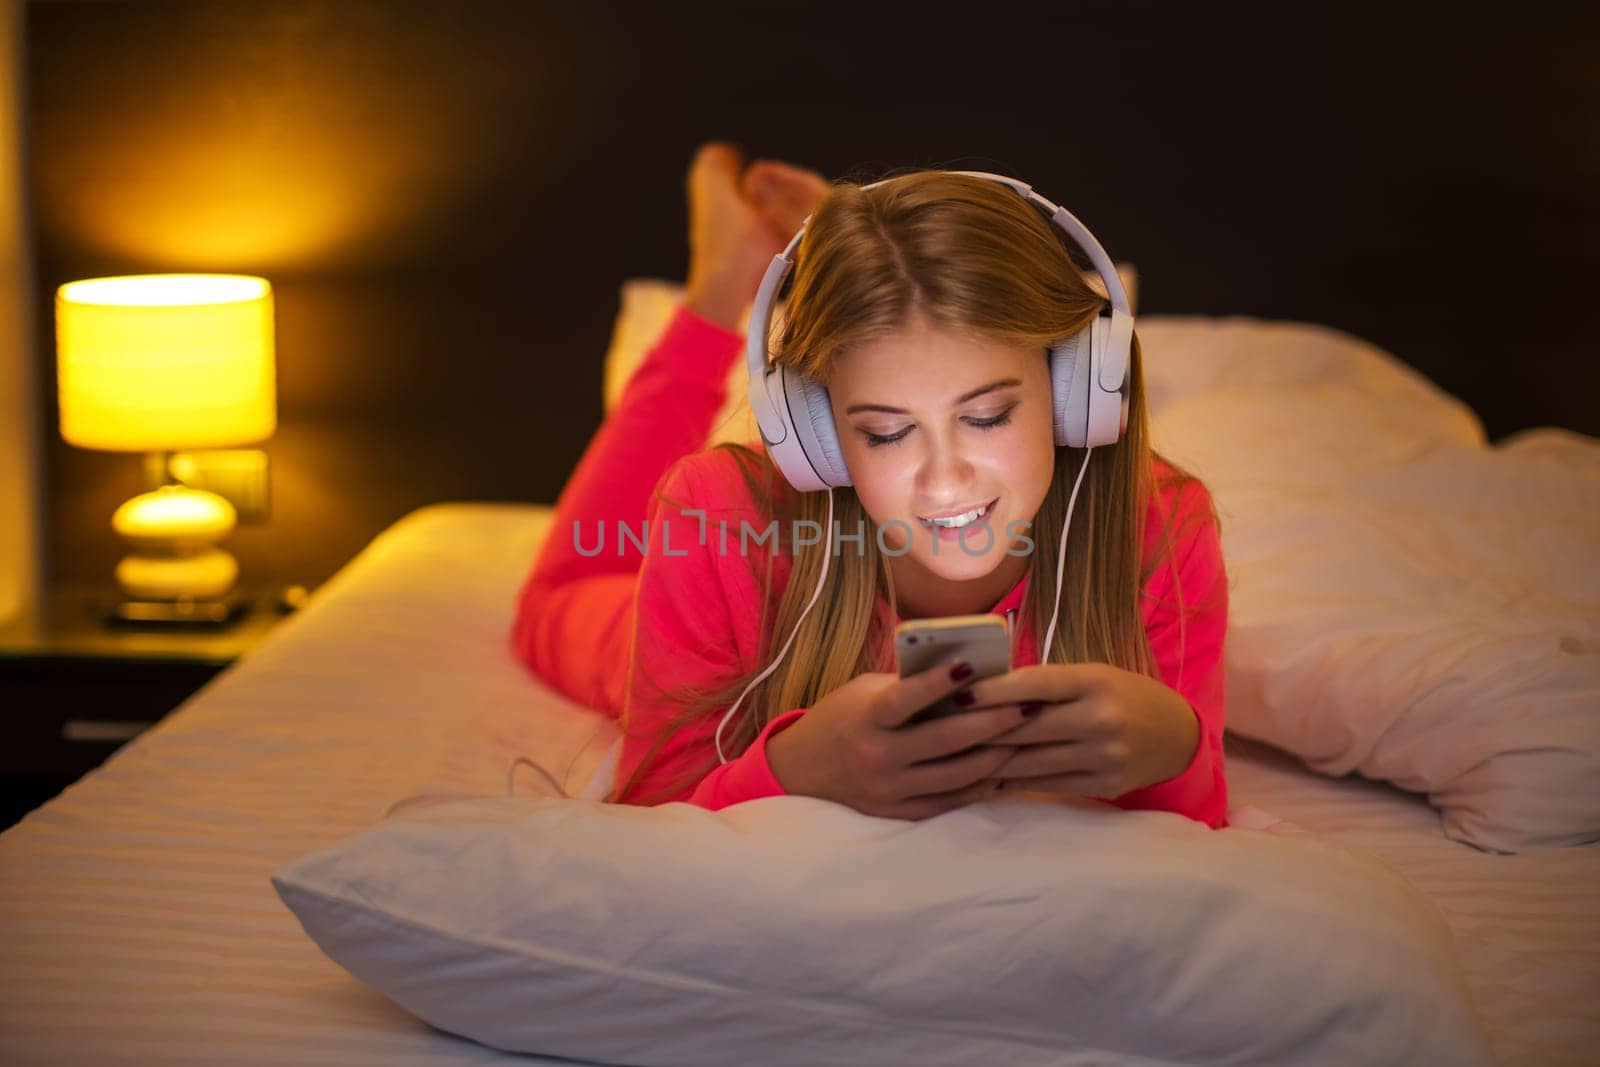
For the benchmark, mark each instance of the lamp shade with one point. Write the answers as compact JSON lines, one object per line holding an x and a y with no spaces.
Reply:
{"x":154,"y":362}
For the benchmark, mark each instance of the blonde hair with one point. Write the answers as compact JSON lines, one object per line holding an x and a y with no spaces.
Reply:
{"x":971,"y":257}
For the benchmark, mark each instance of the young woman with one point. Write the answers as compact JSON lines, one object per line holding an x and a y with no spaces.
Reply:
{"x":926,"y":306}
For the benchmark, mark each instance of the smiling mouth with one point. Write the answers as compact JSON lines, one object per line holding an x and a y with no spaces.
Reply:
{"x":955,"y":522}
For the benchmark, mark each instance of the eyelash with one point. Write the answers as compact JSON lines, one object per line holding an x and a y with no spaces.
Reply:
{"x":877,"y":440}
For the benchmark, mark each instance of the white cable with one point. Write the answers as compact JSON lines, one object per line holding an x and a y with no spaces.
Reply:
{"x":827,"y":554}
{"x":434,"y":798}
{"x":511,"y":776}
{"x":1061,"y":559}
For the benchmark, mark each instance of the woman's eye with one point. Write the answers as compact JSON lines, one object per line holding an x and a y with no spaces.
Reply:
{"x":875,"y":440}
{"x":999,"y":420}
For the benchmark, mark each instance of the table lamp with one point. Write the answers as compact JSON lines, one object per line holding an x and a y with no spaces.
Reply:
{"x":157,"y":363}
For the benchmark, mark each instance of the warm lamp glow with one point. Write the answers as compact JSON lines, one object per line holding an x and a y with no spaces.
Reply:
{"x":166,"y":361}
{"x":175,"y":513}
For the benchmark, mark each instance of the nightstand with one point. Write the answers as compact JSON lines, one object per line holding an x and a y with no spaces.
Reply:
{"x":72,"y":690}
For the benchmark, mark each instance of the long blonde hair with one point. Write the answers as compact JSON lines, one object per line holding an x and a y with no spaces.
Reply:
{"x":971,"y":257}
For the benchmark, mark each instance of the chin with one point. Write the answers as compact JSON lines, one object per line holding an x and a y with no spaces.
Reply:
{"x":966,"y":569}
{"x":955,"y":563}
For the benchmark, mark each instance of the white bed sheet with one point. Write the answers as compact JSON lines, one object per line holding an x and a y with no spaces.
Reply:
{"x":139,"y":925}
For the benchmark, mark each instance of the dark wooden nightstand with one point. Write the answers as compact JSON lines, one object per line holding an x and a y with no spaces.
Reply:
{"x":73,"y":690}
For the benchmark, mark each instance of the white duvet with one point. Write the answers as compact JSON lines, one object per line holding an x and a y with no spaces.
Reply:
{"x":1407,"y":602}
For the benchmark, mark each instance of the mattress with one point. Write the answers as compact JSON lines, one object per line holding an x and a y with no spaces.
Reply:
{"x":139,"y":925}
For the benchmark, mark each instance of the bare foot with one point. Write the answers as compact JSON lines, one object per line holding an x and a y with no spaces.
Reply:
{"x":739,"y":219}
{"x":784,"y":194}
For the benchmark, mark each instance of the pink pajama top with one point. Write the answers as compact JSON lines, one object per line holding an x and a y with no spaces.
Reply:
{"x":686,"y":612}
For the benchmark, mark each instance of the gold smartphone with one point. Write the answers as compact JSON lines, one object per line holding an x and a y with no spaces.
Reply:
{"x":981,"y":640}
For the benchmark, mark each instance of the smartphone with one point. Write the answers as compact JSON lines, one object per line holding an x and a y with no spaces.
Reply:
{"x":981,"y":640}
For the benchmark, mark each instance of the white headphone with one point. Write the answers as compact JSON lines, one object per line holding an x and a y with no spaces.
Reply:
{"x":1088,"y":388}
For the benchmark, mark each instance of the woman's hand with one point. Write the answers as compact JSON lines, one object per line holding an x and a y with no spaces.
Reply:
{"x":739,"y":218}
{"x":855,"y":748}
{"x":1101,"y":731}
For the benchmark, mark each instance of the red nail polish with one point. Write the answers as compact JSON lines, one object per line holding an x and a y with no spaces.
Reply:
{"x":964,"y":698}
{"x":960,"y":671}
{"x":1032,"y":708}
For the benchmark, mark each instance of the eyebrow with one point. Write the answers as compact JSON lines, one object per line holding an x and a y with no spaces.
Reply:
{"x":962,"y":399}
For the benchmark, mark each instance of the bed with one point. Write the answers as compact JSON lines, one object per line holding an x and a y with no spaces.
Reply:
{"x":140,"y":926}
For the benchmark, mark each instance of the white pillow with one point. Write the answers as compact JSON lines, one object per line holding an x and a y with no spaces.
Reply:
{"x":1406,"y":602}
{"x":791,"y":930}
{"x":647,"y":306}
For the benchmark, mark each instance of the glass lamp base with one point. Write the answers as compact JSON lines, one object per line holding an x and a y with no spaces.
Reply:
{"x":182,"y":612}
{"x":176,"y":575}
{"x":206,"y":574}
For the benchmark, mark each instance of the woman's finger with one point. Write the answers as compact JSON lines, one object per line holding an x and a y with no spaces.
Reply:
{"x":1054,"y":683}
{"x":919,"y":808}
{"x":1041,"y":723}
{"x":1080,"y":784}
{"x":909,"y":695}
{"x":952,"y":734}
{"x":1033,"y":761}
{"x":952,"y":773}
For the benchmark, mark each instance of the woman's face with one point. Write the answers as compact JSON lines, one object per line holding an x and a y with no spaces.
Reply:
{"x":936,"y":424}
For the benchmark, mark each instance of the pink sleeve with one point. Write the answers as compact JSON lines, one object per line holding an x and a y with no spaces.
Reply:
{"x":685,"y":634}
{"x":748,"y":777}
{"x":573,"y":619}
{"x":574,"y":637}
{"x":1187,"y":632}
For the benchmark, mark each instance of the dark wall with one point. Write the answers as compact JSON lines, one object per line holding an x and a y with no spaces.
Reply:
{"x":446,"y":197}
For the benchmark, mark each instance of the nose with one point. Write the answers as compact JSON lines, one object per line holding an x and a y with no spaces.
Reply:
{"x":944,"y":475}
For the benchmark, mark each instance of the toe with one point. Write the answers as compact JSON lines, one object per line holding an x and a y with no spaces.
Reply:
{"x":719,"y":155}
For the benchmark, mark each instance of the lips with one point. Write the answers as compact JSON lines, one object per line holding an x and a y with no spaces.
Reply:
{"x":983,"y":510}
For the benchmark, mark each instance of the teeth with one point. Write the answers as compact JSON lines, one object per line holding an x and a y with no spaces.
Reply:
{"x":958,"y":520}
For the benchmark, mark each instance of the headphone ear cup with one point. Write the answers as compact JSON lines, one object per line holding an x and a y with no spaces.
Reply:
{"x":815,"y":432}
{"x":1069,"y":387}
{"x":820,"y":410}
{"x":1107,"y":416}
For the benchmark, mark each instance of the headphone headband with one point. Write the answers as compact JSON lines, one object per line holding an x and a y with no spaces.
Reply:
{"x":1063,"y":219}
